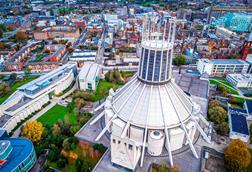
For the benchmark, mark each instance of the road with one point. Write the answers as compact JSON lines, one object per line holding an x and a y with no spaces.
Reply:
{"x":101,"y":48}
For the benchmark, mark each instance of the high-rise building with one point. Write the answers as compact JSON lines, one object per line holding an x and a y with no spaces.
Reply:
{"x":151,"y":113}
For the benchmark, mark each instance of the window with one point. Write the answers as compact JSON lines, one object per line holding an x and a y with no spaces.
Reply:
{"x":119,"y":141}
{"x":130,"y":147}
{"x":89,"y":85}
{"x":151,"y":64}
{"x":157,"y":65}
{"x":114,"y":140}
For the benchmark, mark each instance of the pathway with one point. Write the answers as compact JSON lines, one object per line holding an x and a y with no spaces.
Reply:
{"x":36,"y":116}
{"x":53,"y":102}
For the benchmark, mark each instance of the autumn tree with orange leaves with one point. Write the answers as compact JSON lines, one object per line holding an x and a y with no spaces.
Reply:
{"x":33,"y":130}
{"x":237,"y":156}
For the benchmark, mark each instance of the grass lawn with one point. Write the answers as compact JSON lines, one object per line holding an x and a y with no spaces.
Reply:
{"x":54,"y":114}
{"x":103,"y":89}
{"x":16,"y":85}
{"x":225,"y":84}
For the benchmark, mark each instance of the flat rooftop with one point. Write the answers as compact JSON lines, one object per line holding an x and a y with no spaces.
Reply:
{"x":228,"y":61}
{"x":89,"y":71}
{"x":4,"y":119}
{"x":47,"y":79}
{"x":241,"y":77}
{"x":238,"y":121}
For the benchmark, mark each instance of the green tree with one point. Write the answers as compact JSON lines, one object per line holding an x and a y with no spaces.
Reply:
{"x":13,"y":76}
{"x":217,"y":114}
{"x":100,"y":147}
{"x":237,"y":156}
{"x":61,"y":163}
{"x":179,"y":60}
{"x":4,"y":89}
{"x":78,"y":164}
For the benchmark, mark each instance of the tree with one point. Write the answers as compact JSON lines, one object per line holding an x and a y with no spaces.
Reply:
{"x":61,"y":163}
{"x":213,"y":103}
{"x":223,"y":128}
{"x":100,"y":147}
{"x":56,"y":130}
{"x":13,"y":76}
{"x":4,"y":89}
{"x":21,"y":36}
{"x":33,"y":130}
{"x":223,"y":89}
{"x":74,"y":129}
{"x":217,"y":114}
{"x":78,"y":164}
{"x":237,"y":156}
{"x":179,"y":60}
{"x":27,"y":71}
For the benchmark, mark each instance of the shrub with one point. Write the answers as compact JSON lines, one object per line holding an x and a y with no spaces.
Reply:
{"x":223,"y":128}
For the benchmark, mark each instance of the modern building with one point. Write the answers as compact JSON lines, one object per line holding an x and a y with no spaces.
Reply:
{"x":83,"y":55}
{"x":30,"y":97}
{"x":16,"y":154}
{"x":240,"y":80}
{"x":222,"y":32}
{"x":238,"y":124}
{"x":237,"y":22}
{"x":248,"y":107}
{"x":220,"y":67}
{"x":89,"y":76}
{"x":150,"y":112}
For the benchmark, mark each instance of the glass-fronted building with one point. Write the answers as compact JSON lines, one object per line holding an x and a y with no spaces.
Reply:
{"x":16,"y":155}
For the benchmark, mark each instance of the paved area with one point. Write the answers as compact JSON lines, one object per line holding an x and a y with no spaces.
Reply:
{"x":90,"y":132}
{"x":192,"y":84}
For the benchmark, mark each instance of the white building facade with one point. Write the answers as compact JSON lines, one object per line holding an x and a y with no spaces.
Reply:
{"x":89,"y":76}
{"x":219,"y":67}
{"x":31,"y":97}
{"x":240,"y":80}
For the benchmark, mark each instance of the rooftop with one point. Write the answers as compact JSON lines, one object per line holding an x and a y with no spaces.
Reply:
{"x":89,"y":71}
{"x":228,"y":61}
{"x":249,"y":106}
{"x":241,"y":77}
{"x":238,"y":121}
{"x":4,"y":144}
{"x":21,"y":150}
{"x":47,"y":79}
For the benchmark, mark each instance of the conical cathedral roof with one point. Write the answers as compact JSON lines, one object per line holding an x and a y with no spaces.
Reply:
{"x":154,"y":106}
